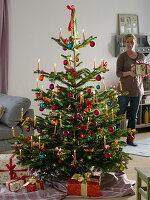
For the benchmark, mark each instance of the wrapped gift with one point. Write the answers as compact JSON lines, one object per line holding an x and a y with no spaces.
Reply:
{"x":10,"y":169}
{"x":141,"y":69}
{"x":34,"y":185}
{"x":16,"y":184}
{"x":78,"y":186}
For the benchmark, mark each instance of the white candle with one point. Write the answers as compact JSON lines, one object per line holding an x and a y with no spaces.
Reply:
{"x":20,"y":153}
{"x":60,"y":33}
{"x":94,"y":64}
{"x":13,"y":132}
{"x":39,"y":142}
{"x":37,"y":83}
{"x":55,"y":69}
{"x":21,"y":117}
{"x":35,"y":121}
{"x":83,"y":34}
{"x":38,"y":64}
{"x":31,"y":142}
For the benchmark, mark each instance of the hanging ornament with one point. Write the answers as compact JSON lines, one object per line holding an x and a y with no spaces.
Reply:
{"x":42,"y":156}
{"x":41,"y":109}
{"x":70,"y":45}
{"x":92,"y":43}
{"x":82,"y":135}
{"x":43,"y":105}
{"x":59,"y":161}
{"x":54,"y":107}
{"x":53,"y":122}
{"x":94,"y":123}
{"x":65,"y":62}
{"x":96,"y":112}
{"x":88,"y":139}
{"x":27,"y":129}
{"x":87,"y":110}
{"x":111,"y":129}
{"x":77,"y":59}
{"x":39,"y":130}
{"x":64,"y":48}
{"x":89,"y":91}
{"x":98,"y":77}
{"x":65,"y":133}
{"x":41,"y":78}
{"x":107,"y":155}
{"x":89,"y":157}
{"x":70,"y":95}
{"x":109,"y":103}
{"x":98,"y":87}
{"x":51,"y":86}
{"x":79,"y":117}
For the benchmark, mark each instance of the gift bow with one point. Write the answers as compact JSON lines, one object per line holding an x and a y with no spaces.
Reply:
{"x":84,"y":178}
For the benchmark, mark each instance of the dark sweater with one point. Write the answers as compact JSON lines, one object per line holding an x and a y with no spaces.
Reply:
{"x":134,"y":86}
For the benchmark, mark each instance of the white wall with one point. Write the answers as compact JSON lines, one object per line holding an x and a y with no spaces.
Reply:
{"x":34,"y":22}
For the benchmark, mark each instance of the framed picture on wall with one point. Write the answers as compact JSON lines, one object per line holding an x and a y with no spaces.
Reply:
{"x":128,"y":23}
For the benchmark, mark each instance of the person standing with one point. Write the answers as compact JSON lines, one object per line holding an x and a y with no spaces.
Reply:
{"x":129,"y":82}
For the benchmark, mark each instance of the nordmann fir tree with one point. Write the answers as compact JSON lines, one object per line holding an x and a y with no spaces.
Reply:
{"x":76,"y":131}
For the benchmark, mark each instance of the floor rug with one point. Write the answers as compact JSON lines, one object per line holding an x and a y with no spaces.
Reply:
{"x":113,"y":185}
{"x":142,"y":148}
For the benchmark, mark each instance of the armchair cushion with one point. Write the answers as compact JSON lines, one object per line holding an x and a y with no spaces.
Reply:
{"x":13,"y":105}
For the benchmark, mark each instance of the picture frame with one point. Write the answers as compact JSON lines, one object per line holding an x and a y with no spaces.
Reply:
{"x":128,"y":23}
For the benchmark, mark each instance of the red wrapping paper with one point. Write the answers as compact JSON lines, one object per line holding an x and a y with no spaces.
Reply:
{"x":74,"y":188}
{"x":34,"y":187}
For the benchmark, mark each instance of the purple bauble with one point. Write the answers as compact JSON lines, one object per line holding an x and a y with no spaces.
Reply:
{"x":51,"y":86}
{"x":98,"y":77}
{"x":39,"y":130}
{"x":65,"y":133}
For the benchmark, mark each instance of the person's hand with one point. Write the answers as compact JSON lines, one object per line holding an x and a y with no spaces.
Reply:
{"x":131,"y":73}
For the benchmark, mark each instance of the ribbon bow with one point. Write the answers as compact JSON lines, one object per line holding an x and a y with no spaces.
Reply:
{"x":84,"y":178}
{"x":31,"y":180}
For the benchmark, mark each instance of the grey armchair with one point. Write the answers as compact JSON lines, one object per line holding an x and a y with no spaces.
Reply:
{"x":12,"y":111}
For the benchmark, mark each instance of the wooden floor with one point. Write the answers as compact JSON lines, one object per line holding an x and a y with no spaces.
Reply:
{"x":137,"y":161}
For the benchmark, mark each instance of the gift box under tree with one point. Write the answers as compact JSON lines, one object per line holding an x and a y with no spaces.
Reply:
{"x":33,"y":185}
{"x":10,"y":169}
{"x":82,"y":186}
{"x":16,"y":184}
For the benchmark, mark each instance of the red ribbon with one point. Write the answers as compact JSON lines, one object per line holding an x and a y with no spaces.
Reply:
{"x":71,"y":23}
{"x":11,"y":169}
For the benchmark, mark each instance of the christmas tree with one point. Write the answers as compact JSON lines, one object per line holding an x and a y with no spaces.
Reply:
{"x":76,"y":131}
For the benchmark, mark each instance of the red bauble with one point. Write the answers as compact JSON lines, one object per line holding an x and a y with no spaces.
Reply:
{"x":71,"y":118}
{"x":89,"y":91}
{"x":83,"y":127}
{"x":70,"y":95}
{"x":131,"y":138}
{"x":41,"y":109}
{"x":107,"y":155}
{"x":64,"y":48}
{"x":111,"y":129}
{"x":98,"y":77}
{"x":54,"y":107}
{"x":59,"y":161}
{"x":65,"y":62}
{"x":94,"y":123}
{"x":96,"y":112}
{"x":92,"y":43}
{"x":88,"y":102}
{"x":28,"y":129}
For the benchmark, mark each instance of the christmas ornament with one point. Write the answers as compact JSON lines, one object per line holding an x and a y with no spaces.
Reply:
{"x":42,"y":156}
{"x":107,"y":155}
{"x":77,"y":59}
{"x":96,"y":112}
{"x":88,"y":139}
{"x":111,"y":129}
{"x":89,"y":91}
{"x":43,"y":105}
{"x":27,"y":129}
{"x":94,"y":123}
{"x":39,"y":130}
{"x":41,"y":78}
{"x":92,"y":43}
{"x":98,"y":87}
{"x":65,"y":133}
{"x":98,"y":77}
{"x":89,"y":157}
{"x":70,"y":95}
{"x":64,"y":48}
{"x":54,"y":107}
{"x":65,"y":62}
{"x":41,"y":109}
{"x":70,"y":45}
{"x":51,"y":86}
{"x":82,"y":135}
{"x":109,"y":103}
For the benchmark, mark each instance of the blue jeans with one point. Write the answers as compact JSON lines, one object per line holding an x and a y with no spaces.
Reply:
{"x":134,"y":106}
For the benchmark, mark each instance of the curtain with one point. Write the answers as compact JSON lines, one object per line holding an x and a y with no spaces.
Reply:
{"x":4,"y":46}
